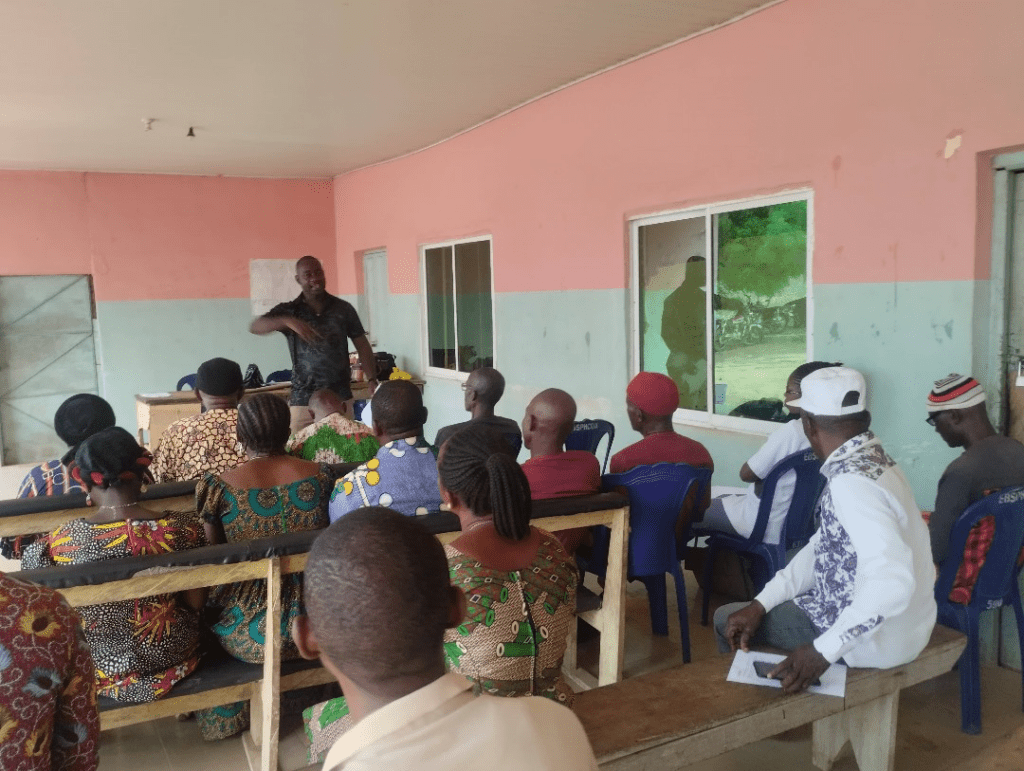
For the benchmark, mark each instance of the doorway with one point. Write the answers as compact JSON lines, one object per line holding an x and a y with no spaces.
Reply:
{"x":47,"y":353}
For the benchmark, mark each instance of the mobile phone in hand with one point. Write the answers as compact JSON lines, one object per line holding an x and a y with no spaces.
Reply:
{"x":764,"y":668}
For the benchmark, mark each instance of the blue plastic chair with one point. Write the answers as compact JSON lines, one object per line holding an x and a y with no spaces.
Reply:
{"x":656,"y":497}
{"x":998,"y":582}
{"x":587,"y":435}
{"x":188,"y":380}
{"x":797,"y":528}
{"x":281,"y":376}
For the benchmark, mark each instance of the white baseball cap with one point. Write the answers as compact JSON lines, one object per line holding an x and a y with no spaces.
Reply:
{"x":832,"y":391}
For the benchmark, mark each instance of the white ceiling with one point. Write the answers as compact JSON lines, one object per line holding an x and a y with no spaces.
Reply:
{"x":296,"y":88}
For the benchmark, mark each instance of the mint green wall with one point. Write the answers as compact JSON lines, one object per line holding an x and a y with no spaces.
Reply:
{"x":146,"y":346}
{"x":902,"y":336}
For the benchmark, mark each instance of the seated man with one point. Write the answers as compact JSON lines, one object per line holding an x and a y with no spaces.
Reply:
{"x":734,"y":512}
{"x":861,"y":590}
{"x":378,"y":599}
{"x":333,"y":437}
{"x":651,"y":399}
{"x":956,"y":408}
{"x":403,"y":474}
{"x":207,"y":442}
{"x":483,"y":388}
{"x":552,"y":471}
{"x":48,"y":717}
{"x":78,"y":417}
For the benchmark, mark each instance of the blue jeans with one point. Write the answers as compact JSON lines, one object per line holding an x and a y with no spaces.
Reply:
{"x":786,"y":627}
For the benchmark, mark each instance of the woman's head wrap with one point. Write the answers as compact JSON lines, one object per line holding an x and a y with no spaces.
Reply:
{"x":78,"y":418}
{"x":110,"y":457}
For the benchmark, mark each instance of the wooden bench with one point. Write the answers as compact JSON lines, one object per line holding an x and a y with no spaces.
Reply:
{"x":679,"y":716}
{"x":223,"y":680}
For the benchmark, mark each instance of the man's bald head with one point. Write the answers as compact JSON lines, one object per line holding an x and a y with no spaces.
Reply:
{"x":309,"y":260}
{"x":549,"y":418}
{"x":486,"y":386}
{"x":324,"y":402}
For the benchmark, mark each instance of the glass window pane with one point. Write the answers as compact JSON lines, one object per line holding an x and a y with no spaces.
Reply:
{"x":473,"y":295}
{"x":440,"y":307}
{"x":760,"y":333}
{"x":673,"y":276}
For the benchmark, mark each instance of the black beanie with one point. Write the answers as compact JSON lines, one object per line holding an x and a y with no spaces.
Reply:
{"x":79,"y":417}
{"x":219,"y":377}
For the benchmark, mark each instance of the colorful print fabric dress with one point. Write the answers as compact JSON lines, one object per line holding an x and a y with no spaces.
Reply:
{"x":402,"y":476}
{"x":511,"y":643}
{"x":334,"y":439}
{"x":196,"y":445}
{"x":513,"y":638}
{"x":246,"y":515}
{"x":48,"y":717}
{"x":141,"y":647}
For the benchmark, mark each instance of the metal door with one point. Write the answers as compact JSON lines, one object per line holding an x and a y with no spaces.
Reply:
{"x":47,"y":353}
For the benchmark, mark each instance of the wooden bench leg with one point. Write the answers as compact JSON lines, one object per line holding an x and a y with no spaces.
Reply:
{"x":871,"y":730}
{"x":261,"y":743}
{"x":613,"y":605}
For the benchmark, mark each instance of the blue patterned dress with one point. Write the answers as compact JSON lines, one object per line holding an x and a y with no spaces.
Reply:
{"x":247,"y":514}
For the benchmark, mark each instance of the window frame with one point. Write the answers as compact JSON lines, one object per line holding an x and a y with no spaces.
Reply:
{"x":708,"y":418}
{"x":440,"y":372}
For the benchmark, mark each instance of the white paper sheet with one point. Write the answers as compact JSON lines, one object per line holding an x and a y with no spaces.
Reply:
{"x":157,"y":395}
{"x":833,"y":680}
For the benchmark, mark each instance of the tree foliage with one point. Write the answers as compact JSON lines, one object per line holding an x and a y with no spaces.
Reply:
{"x":761,"y":250}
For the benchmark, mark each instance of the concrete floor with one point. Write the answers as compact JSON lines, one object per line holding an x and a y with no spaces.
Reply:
{"x":929,"y":736}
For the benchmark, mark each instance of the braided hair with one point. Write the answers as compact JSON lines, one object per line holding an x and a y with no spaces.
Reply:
{"x":111,"y":458}
{"x":478,"y":467}
{"x":264,"y":423}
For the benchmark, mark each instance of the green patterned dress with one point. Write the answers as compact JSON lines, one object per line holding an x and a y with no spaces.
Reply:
{"x":513,"y":638}
{"x":511,"y":642}
{"x":246,"y":515}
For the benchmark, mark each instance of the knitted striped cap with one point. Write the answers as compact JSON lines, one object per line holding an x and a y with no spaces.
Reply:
{"x":955,"y":392}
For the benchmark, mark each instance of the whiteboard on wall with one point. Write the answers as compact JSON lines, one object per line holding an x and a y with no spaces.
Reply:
{"x":271,"y":282}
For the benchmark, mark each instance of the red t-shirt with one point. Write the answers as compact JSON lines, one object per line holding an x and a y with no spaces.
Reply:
{"x":664,"y":447}
{"x":574,"y":472}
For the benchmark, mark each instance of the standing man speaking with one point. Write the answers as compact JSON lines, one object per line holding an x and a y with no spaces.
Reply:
{"x":318,"y":326}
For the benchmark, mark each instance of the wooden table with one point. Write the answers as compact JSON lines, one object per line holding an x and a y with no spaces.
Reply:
{"x":155,"y":412}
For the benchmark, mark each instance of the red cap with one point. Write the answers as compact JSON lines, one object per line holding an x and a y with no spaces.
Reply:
{"x":654,"y":393}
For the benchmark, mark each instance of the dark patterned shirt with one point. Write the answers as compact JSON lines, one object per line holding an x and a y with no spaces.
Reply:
{"x":323,"y":364}
{"x":48,"y":717}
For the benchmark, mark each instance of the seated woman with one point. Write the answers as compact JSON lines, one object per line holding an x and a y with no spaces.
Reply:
{"x":519,"y":583}
{"x":270,"y":494}
{"x":141,"y":647}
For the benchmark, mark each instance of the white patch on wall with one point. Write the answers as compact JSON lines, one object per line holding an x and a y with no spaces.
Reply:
{"x":271,"y":282}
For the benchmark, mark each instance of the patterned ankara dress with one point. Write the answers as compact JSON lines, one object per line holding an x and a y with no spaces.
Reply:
{"x":48,"y":717}
{"x":196,"y":445}
{"x":402,"y":476}
{"x":48,"y":478}
{"x":511,"y":643}
{"x":334,"y":439}
{"x":141,"y":647}
{"x":246,"y":515}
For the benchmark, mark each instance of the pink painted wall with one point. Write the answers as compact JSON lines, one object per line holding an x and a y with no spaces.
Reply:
{"x":853,"y":99}
{"x":151,"y":237}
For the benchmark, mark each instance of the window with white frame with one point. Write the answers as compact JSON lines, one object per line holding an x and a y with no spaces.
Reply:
{"x":739,"y":342}
{"x":458,"y":305}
